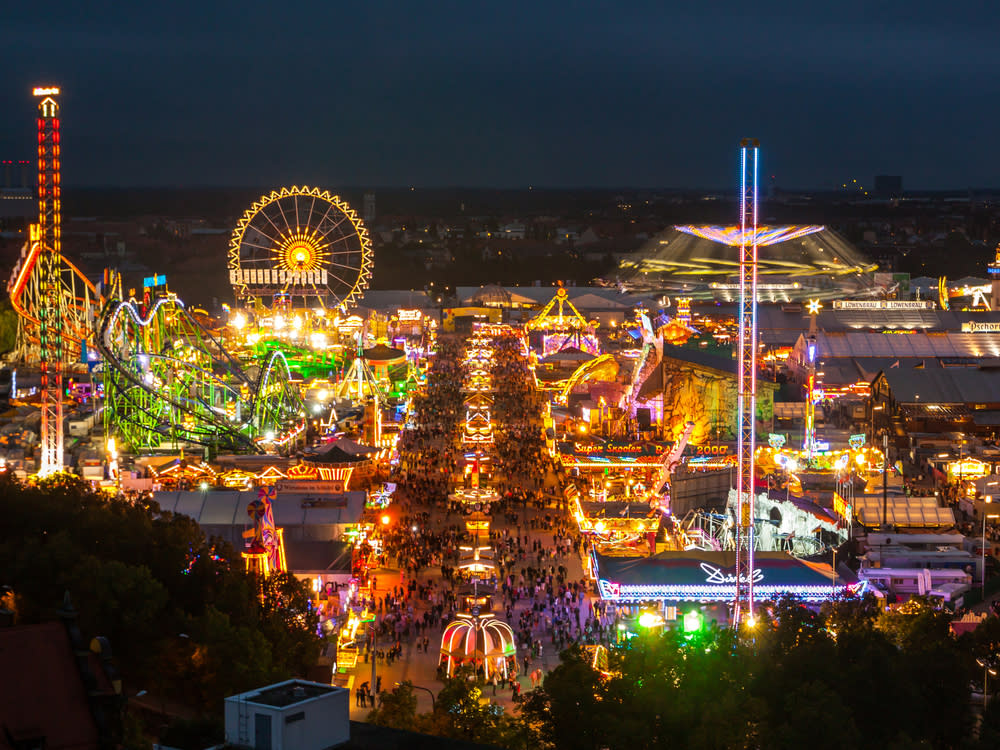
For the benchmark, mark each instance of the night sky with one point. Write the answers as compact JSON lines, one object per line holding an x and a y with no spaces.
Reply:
{"x":508,"y":94}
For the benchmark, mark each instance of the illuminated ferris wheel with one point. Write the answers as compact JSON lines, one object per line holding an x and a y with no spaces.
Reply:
{"x":301,"y":244}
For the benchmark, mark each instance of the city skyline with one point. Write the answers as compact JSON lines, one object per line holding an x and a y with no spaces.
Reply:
{"x":526,"y":95}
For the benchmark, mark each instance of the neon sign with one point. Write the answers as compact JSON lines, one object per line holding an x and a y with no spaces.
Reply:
{"x":715,"y":575}
{"x":878,"y":304}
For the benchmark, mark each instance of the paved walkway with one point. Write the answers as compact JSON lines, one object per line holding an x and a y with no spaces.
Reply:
{"x":421,"y":668}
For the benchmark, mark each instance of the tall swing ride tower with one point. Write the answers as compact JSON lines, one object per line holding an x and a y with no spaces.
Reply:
{"x":49,"y":233}
{"x":743,"y":606}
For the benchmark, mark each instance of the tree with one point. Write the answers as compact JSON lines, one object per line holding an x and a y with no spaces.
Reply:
{"x":397,"y":708}
{"x":121,"y":601}
{"x":461,"y":711}
{"x":289,"y":623}
{"x":850,"y":614}
{"x":144,"y":579}
{"x":915,"y":625}
{"x":806,"y":708}
{"x":223,"y":658}
{"x":570,"y":710}
{"x":844,"y":677}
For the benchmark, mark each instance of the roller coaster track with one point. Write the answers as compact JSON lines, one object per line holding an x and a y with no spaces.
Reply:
{"x":81,"y":305}
{"x":168,"y":381}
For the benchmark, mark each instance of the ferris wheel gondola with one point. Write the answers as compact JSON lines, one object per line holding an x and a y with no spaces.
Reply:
{"x":301,"y":244}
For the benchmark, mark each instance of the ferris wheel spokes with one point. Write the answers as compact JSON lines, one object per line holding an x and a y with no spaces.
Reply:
{"x":284,"y":246}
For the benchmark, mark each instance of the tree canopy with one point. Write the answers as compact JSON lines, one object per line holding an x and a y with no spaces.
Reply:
{"x":848,"y":675}
{"x":184,"y":619}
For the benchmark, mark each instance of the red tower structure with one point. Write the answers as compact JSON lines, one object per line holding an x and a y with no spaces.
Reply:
{"x":49,"y":235}
{"x":743,"y":606}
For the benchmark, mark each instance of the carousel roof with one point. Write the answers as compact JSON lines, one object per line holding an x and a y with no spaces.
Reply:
{"x":333,"y":455}
{"x":383,"y":353}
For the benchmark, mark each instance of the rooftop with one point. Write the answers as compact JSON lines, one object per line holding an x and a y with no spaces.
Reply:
{"x":43,"y":700}
{"x":920,"y":344}
{"x":944,"y":385}
{"x":287,"y":693}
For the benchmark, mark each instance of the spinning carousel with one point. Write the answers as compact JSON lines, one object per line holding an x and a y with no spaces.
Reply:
{"x":478,"y":639}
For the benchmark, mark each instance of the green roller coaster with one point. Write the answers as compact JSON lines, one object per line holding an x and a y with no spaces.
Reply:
{"x":169,"y":382}
{"x":303,"y":362}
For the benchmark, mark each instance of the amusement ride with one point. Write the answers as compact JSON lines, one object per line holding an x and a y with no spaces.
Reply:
{"x":299,"y":248}
{"x":293,"y":352}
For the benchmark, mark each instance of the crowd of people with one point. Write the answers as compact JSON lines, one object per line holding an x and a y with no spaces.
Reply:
{"x":428,"y":454}
{"x":534,"y":542}
{"x":520,"y":443}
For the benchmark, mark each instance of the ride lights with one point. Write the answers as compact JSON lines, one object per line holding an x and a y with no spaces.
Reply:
{"x":692,"y":621}
{"x":650,"y":620}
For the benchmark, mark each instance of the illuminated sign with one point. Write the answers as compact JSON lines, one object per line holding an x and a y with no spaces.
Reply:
{"x":707,"y":450}
{"x":626,"y":593}
{"x":883,"y":304}
{"x":409,"y":316}
{"x":45,"y":91}
{"x":709,"y":576}
{"x":277,"y":276}
{"x":613,"y":449}
{"x":968,"y":468}
{"x":980,"y":327}
{"x":715,"y":575}
{"x":151,"y":282}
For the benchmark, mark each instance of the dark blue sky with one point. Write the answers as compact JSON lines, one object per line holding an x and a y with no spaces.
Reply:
{"x":211,"y":92}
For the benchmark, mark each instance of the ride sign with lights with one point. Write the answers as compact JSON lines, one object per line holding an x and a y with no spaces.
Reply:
{"x":699,"y":575}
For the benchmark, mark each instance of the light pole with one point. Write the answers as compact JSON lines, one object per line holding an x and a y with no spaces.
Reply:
{"x":987,"y":670}
{"x":961,"y":460}
{"x":992,"y":515}
{"x":374,"y":629}
{"x":833,"y":574}
{"x":885,"y":479}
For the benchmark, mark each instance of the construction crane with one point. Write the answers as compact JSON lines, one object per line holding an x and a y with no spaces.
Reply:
{"x":743,"y":604}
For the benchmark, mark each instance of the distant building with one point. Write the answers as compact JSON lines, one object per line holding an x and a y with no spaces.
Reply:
{"x":888,"y":186}
{"x":513,"y":231}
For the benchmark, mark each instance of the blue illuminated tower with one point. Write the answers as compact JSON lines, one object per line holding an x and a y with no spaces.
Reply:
{"x":747,"y":384}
